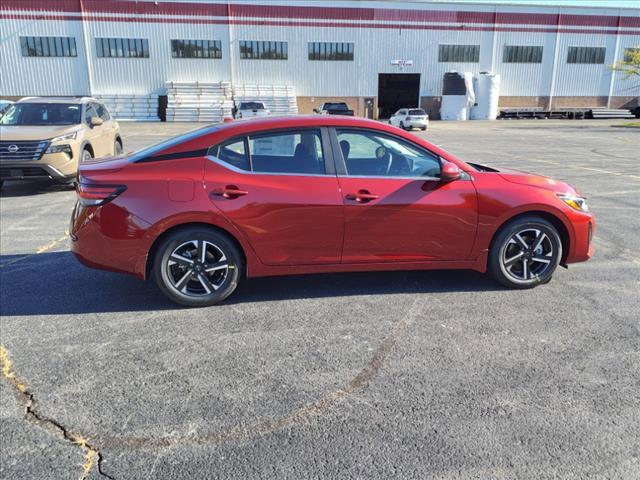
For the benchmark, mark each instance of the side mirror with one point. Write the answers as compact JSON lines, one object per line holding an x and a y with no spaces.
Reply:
{"x":450,"y":172}
{"x":315,"y":110}
{"x":96,"y":121}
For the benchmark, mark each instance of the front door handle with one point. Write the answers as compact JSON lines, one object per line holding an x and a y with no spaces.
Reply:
{"x":363,"y":196}
{"x":230,"y":192}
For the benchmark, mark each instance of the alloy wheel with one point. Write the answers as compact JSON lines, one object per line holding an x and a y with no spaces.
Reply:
{"x":197,"y":268}
{"x":528,"y":255}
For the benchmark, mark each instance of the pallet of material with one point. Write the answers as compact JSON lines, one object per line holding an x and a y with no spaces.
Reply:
{"x":198,"y":101}
{"x":131,"y":107}
{"x":597,"y":113}
{"x":279,"y":99}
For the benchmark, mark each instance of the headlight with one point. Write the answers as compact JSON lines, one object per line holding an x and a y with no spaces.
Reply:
{"x":64,"y":148}
{"x":574,"y":201}
{"x":68,"y":136}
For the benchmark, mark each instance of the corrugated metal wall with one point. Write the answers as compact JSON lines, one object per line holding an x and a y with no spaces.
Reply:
{"x":375,"y":47}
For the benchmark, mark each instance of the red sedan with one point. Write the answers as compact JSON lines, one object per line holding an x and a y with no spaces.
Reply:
{"x":293,"y":195}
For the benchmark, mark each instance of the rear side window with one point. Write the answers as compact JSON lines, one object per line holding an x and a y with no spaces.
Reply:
{"x":290,"y":152}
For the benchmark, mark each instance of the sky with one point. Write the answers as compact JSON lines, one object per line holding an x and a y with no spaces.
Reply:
{"x":577,"y":3}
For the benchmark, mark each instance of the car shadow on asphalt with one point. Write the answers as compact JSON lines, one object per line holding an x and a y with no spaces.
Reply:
{"x":55,"y":283}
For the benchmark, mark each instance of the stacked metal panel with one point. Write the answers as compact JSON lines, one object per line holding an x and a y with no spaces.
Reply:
{"x":279,"y":99}
{"x":198,"y":101}
{"x":138,"y":108}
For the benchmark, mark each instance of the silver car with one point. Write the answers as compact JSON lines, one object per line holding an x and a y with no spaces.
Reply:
{"x":409,"y":118}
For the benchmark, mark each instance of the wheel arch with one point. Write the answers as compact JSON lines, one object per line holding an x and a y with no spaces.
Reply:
{"x":88,"y":146}
{"x":555,"y":220}
{"x":181,"y":226}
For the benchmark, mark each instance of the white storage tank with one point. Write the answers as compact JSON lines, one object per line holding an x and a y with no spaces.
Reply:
{"x":487,"y":88}
{"x":457,"y":96}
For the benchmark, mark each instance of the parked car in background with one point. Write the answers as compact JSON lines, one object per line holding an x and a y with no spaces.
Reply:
{"x":49,"y":137}
{"x":334,"y":108}
{"x":408,"y":118}
{"x":312,"y":194}
{"x":4,"y":104}
{"x":252,"y":109}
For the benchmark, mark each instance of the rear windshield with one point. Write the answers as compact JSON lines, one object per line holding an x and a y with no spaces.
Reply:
{"x":417,"y":111}
{"x":336,"y":106}
{"x":172,"y":142}
{"x":251,"y":106}
{"x":42,"y":114}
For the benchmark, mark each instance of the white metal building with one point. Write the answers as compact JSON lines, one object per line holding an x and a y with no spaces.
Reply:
{"x":546,"y":56}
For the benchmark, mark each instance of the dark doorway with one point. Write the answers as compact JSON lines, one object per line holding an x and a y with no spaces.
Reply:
{"x":396,"y":91}
{"x":368,"y":107}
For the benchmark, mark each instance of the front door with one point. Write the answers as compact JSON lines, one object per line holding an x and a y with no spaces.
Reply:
{"x":279,"y":188}
{"x":396,"y":209}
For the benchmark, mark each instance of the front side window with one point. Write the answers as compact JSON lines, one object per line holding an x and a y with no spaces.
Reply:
{"x":89,"y":113}
{"x":101,"y":111}
{"x":289,"y":152}
{"x":42,"y":114}
{"x":372,"y":154}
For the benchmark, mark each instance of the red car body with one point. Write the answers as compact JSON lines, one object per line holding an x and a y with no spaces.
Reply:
{"x":296,"y":223}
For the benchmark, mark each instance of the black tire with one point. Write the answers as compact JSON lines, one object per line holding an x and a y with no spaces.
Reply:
{"x":86,"y":155}
{"x":515,"y":266}
{"x":117,"y":148}
{"x":402,"y":125}
{"x":424,"y":128}
{"x":194,"y":292}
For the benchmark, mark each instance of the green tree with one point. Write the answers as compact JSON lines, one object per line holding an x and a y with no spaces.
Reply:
{"x":630,"y":64}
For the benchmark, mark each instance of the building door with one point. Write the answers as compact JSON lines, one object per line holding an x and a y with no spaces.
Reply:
{"x":396,"y":91}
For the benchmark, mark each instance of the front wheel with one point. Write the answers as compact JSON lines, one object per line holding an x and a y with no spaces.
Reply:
{"x":402,"y":126}
{"x":117,"y":148}
{"x":525,"y":253}
{"x":197,"y":267}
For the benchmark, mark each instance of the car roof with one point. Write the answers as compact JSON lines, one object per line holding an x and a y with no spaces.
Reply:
{"x":293,"y":121}
{"x":76,"y":100}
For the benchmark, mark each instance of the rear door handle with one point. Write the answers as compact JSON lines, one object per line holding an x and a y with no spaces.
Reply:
{"x":230,"y":192}
{"x":363,"y":196}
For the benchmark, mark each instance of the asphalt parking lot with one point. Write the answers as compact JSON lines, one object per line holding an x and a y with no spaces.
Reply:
{"x":378,"y":375}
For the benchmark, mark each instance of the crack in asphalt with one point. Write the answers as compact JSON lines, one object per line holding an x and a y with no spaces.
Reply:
{"x":294,"y":418}
{"x":92,"y":456}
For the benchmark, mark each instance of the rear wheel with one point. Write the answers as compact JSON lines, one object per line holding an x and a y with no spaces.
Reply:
{"x":525,"y":253}
{"x":197,"y":267}
{"x":424,"y":128}
{"x":402,"y":126}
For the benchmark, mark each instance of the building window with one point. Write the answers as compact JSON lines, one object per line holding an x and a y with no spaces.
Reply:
{"x":263,"y":50}
{"x":330,"y":51}
{"x":196,"y":48}
{"x":630,"y":52}
{"x":586,"y":55}
{"x":459,"y":53}
{"x":48,"y":47}
{"x":522,"y":54}
{"x":122,"y":47}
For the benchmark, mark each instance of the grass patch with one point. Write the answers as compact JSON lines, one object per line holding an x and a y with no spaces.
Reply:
{"x":631,"y":124}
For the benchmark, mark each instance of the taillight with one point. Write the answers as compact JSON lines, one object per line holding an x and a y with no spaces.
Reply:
{"x":92,"y":195}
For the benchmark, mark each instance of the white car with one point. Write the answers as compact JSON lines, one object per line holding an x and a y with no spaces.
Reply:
{"x":252,"y":109}
{"x":409,"y":118}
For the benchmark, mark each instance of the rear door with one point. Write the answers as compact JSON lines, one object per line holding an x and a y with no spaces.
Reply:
{"x":396,"y":208}
{"x":280,"y":189}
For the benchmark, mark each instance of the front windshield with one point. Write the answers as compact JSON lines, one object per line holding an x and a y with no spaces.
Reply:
{"x":42,"y":114}
{"x":418,"y":111}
